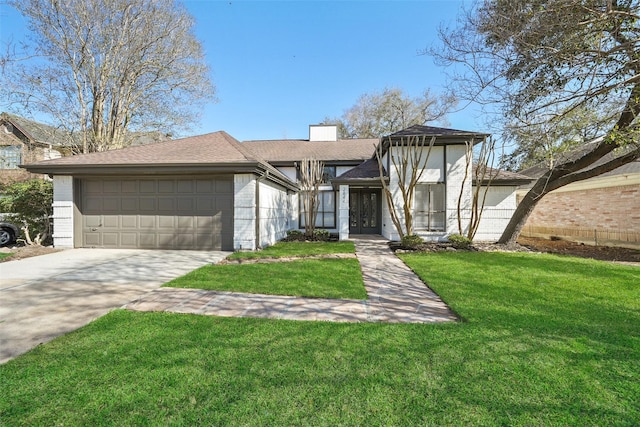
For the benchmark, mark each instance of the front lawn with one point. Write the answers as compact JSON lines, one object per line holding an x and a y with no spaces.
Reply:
{"x":546,"y":340}
{"x":322,"y":278}
{"x":5,"y":255}
{"x":293,"y":249}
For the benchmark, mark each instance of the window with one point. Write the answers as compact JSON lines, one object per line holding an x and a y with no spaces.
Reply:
{"x":9,"y":156}
{"x":328,"y":173}
{"x":429,"y":210}
{"x":326,"y":217}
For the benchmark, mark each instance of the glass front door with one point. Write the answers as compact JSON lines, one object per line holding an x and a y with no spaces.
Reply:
{"x":364,"y":211}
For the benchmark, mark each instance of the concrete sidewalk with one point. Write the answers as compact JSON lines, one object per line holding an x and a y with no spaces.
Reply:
{"x":396,"y":295}
{"x":50,"y":295}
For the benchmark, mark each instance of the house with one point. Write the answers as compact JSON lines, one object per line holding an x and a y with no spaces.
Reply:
{"x":214,"y":192}
{"x":603,"y":210}
{"x":25,"y":141}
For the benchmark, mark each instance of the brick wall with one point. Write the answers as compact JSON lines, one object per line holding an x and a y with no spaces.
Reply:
{"x":609,"y":215}
{"x":10,"y":176}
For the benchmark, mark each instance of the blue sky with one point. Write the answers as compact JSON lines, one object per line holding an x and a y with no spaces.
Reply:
{"x":281,"y":66}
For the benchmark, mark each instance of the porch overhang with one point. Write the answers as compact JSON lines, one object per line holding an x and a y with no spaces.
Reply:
{"x":359,"y":182}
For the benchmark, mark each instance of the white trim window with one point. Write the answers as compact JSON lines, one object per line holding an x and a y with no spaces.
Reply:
{"x":326,"y":216}
{"x":429,"y":207}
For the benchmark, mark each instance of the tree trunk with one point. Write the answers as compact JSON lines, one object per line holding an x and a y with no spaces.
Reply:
{"x":519,"y":219}
{"x":560,"y":176}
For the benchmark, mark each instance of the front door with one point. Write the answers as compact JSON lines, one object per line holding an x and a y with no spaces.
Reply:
{"x":364,"y":211}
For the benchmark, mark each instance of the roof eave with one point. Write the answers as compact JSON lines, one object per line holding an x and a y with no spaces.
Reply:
{"x":161,"y":169}
{"x":369,"y":182}
{"x":444,"y":138}
{"x":348,"y":162}
{"x":503,"y":182}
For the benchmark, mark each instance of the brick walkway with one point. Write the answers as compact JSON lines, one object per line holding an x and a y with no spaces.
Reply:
{"x":396,"y":295}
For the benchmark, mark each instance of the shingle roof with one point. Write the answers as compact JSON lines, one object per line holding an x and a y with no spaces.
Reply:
{"x":292,"y":150}
{"x":216,"y":147}
{"x":366,"y":170}
{"x":39,"y":132}
{"x":503,"y":177}
{"x":541,"y":168}
{"x":420,"y":130}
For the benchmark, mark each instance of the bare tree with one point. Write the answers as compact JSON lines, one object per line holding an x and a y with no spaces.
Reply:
{"x":539,"y":61}
{"x":386,"y":112}
{"x":549,"y":141}
{"x":408,"y":158}
{"x":482,"y":174}
{"x":100,"y":68}
{"x":311,"y":174}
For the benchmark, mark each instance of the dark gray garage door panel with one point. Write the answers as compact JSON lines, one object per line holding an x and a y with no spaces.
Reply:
{"x":159,"y":213}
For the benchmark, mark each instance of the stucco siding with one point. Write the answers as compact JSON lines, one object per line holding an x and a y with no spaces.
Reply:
{"x":63,"y":211}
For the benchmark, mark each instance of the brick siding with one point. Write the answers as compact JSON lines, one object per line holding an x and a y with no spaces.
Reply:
{"x":610,"y":215}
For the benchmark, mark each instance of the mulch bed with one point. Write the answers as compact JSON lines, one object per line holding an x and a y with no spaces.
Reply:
{"x":604,"y":253}
{"x":284,"y":259}
{"x":563,"y":247}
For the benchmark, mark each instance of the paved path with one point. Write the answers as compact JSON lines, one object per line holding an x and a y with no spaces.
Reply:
{"x":396,"y":295}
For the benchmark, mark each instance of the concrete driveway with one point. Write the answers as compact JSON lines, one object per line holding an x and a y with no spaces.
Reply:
{"x":49,"y":295}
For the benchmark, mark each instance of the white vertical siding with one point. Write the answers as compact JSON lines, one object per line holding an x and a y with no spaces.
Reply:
{"x":445,"y":164}
{"x":289,"y":171}
{"x":388,"y":229}
{"x":273,"y":213}
{"x":323,"y":133}
{"x":294,"y":212}
{"x":244,"y":208}
{"x":498,"y":210}
{"x":63,"y":211}
{"x":457,"y":166}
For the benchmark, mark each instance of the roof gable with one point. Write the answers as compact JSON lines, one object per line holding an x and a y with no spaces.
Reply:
{"x":38,"y":132}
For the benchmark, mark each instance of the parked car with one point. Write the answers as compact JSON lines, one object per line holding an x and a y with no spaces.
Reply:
{"x":9,"y":232}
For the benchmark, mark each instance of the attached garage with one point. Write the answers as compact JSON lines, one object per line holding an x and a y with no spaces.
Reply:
{"x":156,"y":213}
{"x":196,"y":193}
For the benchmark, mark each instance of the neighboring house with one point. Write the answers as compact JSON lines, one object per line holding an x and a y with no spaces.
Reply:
{"x":604,"y":210}
{"x":25,"y":141}
{"x":214,"y":192}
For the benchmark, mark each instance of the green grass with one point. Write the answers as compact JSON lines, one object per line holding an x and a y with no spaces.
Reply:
{"x":546,"y":340}
{"x":292,"y":249}
{"x":323,"y":278}
{"x":4,"y":255}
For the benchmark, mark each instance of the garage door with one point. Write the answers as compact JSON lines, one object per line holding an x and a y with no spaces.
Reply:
{"x":158,"y":213}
